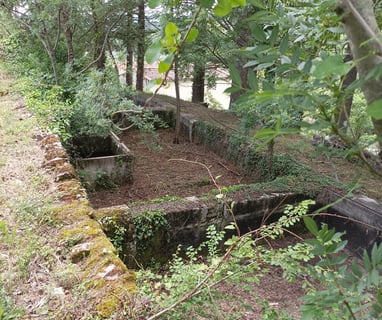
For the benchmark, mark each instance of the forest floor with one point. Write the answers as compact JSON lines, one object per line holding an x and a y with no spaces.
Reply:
{"x":37,"y":281}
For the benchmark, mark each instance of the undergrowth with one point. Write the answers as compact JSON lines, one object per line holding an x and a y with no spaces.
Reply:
{"x":336,"y":287}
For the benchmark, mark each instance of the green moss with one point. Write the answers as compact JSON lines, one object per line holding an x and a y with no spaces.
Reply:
{"x":105,"y":291}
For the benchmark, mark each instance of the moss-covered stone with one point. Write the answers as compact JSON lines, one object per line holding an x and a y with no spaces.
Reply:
{"x":107,"y":279}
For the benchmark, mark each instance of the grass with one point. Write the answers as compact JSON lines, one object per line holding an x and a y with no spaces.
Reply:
{"x":33,"y":277}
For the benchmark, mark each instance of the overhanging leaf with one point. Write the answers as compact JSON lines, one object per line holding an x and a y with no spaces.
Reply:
{"x":332,"y":65}
{"x":252,"y":80}
{"x":223,"y":8}
{"x":163,"y":67}
{"x":258,"y":33}
{"x":375,"y":109}
{"x":232,"y":89}
{"x":171,"y":30}
{"x":284,"y":44}
{"x":192,"y":35}
{"x":235,"y":75}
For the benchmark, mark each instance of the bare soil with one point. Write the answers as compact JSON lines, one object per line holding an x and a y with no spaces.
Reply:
{"x":163,"y":168}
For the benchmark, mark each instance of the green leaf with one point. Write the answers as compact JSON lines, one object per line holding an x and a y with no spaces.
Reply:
{"x":232,"y":89}
{"x":339,"y":259}
{"x":163,"y":67}
{"x":311,"y":225}
{"x":237,"y":3}
{"x":356,"y":270}
{"x":154,"y":3}
{"x":274,"y":35}
{"x":265,"y":133}
{"x":252,"y":80}
{"x":235,"y":75}
{"x":278,"y":124}
{"x":153,"y":52}
{"x":223,"y":8}
{"x":375,"y":109}
{"x":258,"y":33}
{"x":207,"y":3}
{"x":284,"y":44}
{"x":171,"y":30}
{"x":331,"y":65}
{"x":376,"y":255}
{"x":251,"y":63}
{"x":230,"y":226}
{"x":192,"y":35}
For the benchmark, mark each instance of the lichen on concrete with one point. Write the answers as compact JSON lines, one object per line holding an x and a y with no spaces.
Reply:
{"x":107,"y":279}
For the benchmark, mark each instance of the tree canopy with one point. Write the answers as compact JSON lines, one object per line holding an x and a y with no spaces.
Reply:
{"x":288,"y":60}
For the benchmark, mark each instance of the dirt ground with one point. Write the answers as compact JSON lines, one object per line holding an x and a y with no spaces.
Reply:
{"x":163,"y":168}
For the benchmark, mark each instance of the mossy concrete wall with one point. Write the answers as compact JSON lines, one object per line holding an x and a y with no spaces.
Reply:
{"x":102,"y":162}
{"x":103,"y":274}
{"x":187,"y":220}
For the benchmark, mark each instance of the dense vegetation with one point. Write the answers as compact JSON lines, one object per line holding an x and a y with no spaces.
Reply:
{"x":293,"y":67}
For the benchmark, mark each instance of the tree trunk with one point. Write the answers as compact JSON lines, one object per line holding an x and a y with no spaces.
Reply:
{"x":68,"y":34}
{"x":198,"y":83}
{"x":44,"y":38}
{"x":99,"y":38}
{"x":362,"y":30}
{"x":177,"y":94}
{"x":141,"y":46}
{"x":129,"y":45}
{"x":343,"y":115}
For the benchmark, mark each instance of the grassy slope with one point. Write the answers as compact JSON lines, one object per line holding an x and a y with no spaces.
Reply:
{"x":36,"y":281}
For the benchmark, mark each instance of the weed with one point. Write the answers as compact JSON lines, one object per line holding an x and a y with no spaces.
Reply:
{"x":116,"y":232}
{"x":146,"y":224}
{"x":7,"y":308}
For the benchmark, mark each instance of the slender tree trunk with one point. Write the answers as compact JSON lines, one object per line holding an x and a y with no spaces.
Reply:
{"x":343,"y":115}
{"x":198,"y":83}
{"x":365,"y":38}
{"x":99,"y":37}
{"x":129,"y":45}
{"x":68,"y":34}
{"x":141,"y":46}
{"x":44,"y":38}
{"x":177,"y":94}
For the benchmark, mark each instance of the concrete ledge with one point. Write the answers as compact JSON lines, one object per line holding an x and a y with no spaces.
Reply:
{"x":105,"y":276}
{"x":361,"y":218}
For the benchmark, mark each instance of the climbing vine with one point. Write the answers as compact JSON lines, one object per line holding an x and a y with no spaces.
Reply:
{"x":146,"y":224}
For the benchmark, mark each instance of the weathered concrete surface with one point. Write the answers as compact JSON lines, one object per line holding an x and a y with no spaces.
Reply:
{"x":104,"y":275}
{"x":108,"y":162}
{"x":359,"y":216}
{"x":187,"y":221}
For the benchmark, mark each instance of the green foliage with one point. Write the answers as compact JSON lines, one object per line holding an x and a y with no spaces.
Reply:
{"x":116,"y":232}
{"x":269,"y":134}
{"x":375,"y":109}
{"x":97,"y":97}
{"x":48,"y":103}
{"x":146,"y":224}
{"x":351,"y":290}
{"x":269,"y":313}
{"x":335,"y":288}
{"x":7,"y":309}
